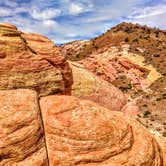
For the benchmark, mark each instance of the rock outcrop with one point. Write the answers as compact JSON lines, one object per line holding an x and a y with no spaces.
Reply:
{"x":111,"y":65}
{"x":33,"y":62}
{"x":21,"y":132}
{"x":45,"y":48}
{"x":79,"y":132}
{"x":88,"y":86}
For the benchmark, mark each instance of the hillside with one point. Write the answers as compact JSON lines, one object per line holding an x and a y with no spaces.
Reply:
{"x":133,"y":58}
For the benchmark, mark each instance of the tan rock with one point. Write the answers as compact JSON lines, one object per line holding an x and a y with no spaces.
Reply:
{"x":21,"y":133}
{"x":88,"y":86}
{"x":79,"y":132}
{"x":41,"y":67}
{"x":50,"y":52}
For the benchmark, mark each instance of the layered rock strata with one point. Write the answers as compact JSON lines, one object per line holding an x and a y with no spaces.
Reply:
{"x":37,"y":66}
{"x":79,"y":132}
{"x":21,"y":132}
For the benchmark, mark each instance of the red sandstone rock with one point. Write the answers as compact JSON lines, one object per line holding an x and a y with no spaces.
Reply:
{"x":33,"y":62}
{"x":21,"y":133}
{"x":45,"y":48}
{"x":79,"y":132}
{"x":109,"y":66}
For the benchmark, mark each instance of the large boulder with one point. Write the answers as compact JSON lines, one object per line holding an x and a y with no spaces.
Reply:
{"x":21,"y":131}
{"x":88,"y":86}
{"x":79,"y":132}
{"x":33,"y":62}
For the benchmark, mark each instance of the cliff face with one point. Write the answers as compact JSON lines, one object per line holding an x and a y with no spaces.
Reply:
{"x":42,"y":123}
{"x":32,"y":61}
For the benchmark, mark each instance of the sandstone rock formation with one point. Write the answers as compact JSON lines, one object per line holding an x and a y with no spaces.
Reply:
{"x":21,"y":132}
{"x":44,"y":47}
{"x":88,"y":86}
{"x":64,"y":130}
{"x":112,"y":65}
{"x":79,"y":132}
{"x":72,"y":50}
{"x":68,"y":131}
{"x":31,"y":61}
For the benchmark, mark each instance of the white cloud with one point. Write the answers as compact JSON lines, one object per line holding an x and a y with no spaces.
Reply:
{"x":75,"y":8}
{"x":10,"y":3}
{"x":5,"y":12}
{"x":49,"y":23}
{"x":152,"y":16}
{"x":67,"y":20}
{"x":45,"y":14}
{"x":149,"y":11}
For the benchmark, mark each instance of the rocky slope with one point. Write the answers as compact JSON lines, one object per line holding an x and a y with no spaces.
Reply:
{"x":39,"y":129}
{"x":133,"y":58}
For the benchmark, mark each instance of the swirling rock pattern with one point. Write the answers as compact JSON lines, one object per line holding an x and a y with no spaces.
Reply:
{"x":79,"y":132}
{"x":24,"y":67}
{"x":21,"y":133}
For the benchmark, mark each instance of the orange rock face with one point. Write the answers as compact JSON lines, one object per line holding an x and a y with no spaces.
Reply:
{"x":42,"y":46}
{"x":25,"y":65}
{"x":21,"y":133}
{"x":78,"y":132}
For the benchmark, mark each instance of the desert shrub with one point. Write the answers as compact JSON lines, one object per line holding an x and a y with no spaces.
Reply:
{"x":135,"y":40}
{"x":158,"y":99}
{"x":164,"y":134}
{"x":164,"y":96}
{"x":126,"y":39}
{"x":146,"y":114}
{"x":78,"y":55}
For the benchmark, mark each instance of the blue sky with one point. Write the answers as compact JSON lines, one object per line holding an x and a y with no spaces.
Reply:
{"x":68,"y":20}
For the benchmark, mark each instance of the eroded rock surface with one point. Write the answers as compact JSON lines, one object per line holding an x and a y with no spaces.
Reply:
{"x":21,"y":133}
{"x":34,"y":65}
{"x":44,"y":47}
{"x":111,"y":65}
{"x":79,"y":132}
{"x":87,"y":86}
